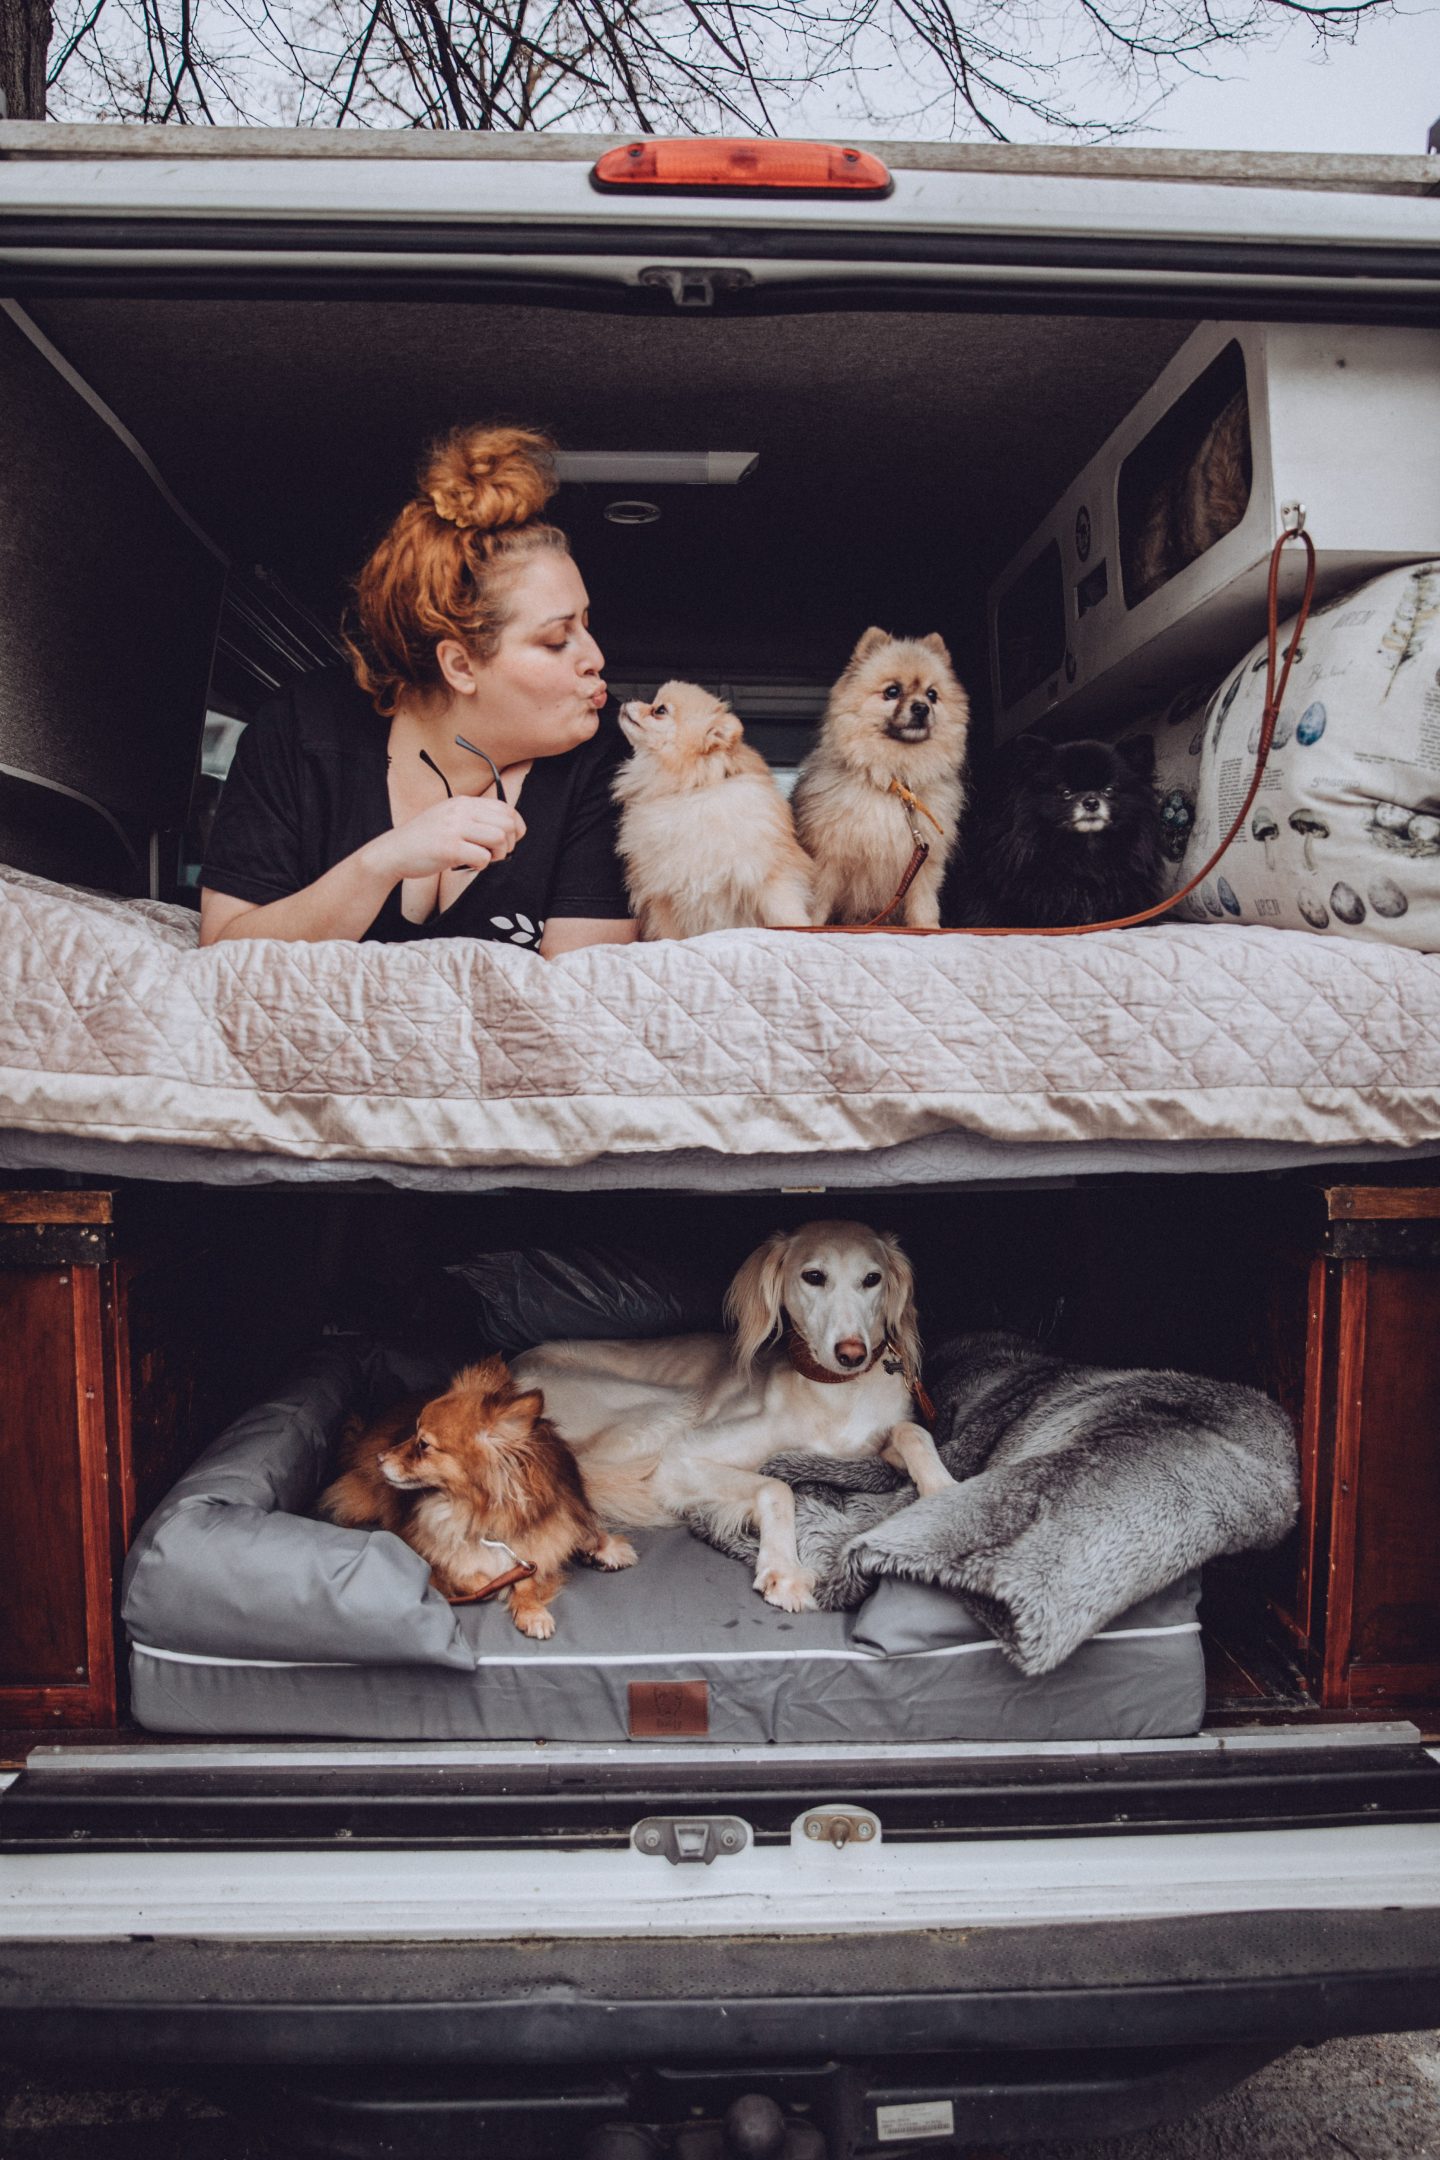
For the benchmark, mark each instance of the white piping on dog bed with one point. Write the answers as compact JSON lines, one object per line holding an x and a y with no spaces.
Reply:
{"x":654,"y":1657}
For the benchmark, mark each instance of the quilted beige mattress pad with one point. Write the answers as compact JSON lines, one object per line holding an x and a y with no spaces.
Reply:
{"x":114,"y":1024}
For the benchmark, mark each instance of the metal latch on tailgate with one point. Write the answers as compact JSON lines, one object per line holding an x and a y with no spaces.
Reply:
{"x":836,"y":1825}
{"x":695,"y":286}
{"x":682,"y":1839}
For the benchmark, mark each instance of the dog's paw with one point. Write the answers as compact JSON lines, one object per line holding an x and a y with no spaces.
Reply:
{"x":612,"y":1553}
{"x":792,"y":1589}
{"x":540,"y":1626}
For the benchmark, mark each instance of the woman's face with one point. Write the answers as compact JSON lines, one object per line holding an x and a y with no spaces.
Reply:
{"x":542,"y":690}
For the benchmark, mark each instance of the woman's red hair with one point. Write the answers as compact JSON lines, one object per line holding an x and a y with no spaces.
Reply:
{"x":441,"y":570}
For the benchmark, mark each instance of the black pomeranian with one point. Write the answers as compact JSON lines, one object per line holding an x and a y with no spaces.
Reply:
{"x":1064,"y":833}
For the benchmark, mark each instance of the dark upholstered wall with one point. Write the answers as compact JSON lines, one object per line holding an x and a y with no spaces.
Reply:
{"x":108,"y":607}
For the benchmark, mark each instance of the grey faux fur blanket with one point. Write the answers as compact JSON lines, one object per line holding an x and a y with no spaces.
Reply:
{"x":1082,"y":1491}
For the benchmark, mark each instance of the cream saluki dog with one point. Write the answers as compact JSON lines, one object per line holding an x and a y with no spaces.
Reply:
{"x":822,"y":1359}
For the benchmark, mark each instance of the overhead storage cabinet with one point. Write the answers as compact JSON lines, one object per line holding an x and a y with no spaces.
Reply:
{"x":1343,"y":421}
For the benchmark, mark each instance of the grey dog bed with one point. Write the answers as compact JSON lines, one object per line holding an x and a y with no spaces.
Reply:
{"x":247,"y":1617}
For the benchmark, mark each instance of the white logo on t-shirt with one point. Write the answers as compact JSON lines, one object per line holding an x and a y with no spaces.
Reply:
{"x":522,"y":930}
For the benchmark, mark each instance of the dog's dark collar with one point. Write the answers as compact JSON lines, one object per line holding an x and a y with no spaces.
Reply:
{"x":810,"y":1368}
{"x":805,"y":1363}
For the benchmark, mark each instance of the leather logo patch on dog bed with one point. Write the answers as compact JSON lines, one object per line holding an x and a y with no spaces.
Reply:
{"x":669,"y":1709}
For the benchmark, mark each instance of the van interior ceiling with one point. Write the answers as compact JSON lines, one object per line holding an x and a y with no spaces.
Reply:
{"x":902,"y":457}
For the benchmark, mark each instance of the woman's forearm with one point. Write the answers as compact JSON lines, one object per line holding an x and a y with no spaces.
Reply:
{"x":341,"y":904}
{"x":462,"y":833}
{"x":568,"y":933}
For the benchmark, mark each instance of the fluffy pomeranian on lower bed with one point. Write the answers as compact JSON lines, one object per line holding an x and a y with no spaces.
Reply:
{"x":706,"y":837}
{"x":1061,"y":834}
{"x":478,"y":1481}
{"x":889,"y":765}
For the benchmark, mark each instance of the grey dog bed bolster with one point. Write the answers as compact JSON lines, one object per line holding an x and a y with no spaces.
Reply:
{"x":229,"y":1565}
{"x":248,"y":1617}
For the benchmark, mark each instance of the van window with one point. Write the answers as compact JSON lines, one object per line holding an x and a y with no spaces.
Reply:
{"x":1187,"y":483}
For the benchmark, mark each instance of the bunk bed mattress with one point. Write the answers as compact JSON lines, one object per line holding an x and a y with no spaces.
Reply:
{"x":246,"y":1617}
{"x":414,"y":1062}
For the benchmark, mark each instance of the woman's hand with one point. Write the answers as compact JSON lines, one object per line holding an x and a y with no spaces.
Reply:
{"x":466,"y":832}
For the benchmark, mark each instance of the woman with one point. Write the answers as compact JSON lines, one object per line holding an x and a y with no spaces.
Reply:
{"x":352,"y":810}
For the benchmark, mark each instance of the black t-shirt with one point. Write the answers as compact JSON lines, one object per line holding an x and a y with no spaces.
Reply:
{"x":309,"y":785}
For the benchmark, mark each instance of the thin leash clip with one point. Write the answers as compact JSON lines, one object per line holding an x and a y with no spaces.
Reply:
{"x":917,"y":837}
{"x":913,"y":803}
{"x":894,"y":1362}
{"x":518,"y":1571}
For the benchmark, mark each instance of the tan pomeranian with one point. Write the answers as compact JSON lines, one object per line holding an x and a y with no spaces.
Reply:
{"x":706,"y":837}
{"x":478,"y":1481}
{"x":889,"y":765}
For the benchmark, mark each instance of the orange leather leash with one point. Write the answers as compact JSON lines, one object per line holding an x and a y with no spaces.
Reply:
{"x":521,"y":1572}
{"x":920,"y":854}
{"x":1274,"y":699}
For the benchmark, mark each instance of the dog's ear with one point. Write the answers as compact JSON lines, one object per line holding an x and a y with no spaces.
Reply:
{"x":530,"y":1405}
{"x":937,"y":644}
{"x":1027,"y":751}
{"x":1138,"y":752}
{"x":490,"y":1377}
{"x":723,"y":732}
{"x":898,"y":1307}
{"x":869,"y":643}
{"x":753,"y":1301}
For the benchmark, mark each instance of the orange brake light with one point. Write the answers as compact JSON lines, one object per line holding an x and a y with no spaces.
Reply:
{"x":703,"y":163}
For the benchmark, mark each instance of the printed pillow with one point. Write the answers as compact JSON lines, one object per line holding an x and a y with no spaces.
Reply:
{"x":1344,"y":836}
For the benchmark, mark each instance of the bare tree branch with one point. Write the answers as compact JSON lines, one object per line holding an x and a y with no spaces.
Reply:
{"x":962,"y":66}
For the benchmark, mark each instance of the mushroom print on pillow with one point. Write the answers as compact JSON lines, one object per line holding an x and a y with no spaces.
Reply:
{"x":1344,"y":836}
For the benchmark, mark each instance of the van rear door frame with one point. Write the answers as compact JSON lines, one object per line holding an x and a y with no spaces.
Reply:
{"x":534,"y":228}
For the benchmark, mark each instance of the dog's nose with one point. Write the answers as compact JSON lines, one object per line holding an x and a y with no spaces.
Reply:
{"x":919,"y":710}
{"x":850,"y":1350}
{"x":1090,"y":804}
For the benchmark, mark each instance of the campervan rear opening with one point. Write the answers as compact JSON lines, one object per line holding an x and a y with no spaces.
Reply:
{"x":240,"y":455}
{"x":196,"y":466}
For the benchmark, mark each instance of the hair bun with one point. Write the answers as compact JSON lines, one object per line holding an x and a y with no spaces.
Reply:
{"x":487,"y":478}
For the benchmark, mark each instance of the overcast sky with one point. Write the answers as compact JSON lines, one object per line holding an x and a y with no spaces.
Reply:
{"x":1380,"y":94}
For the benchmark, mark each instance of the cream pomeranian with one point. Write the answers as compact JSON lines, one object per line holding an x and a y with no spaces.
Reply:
{"x":706,"y":836}
{"x":889,"y":765}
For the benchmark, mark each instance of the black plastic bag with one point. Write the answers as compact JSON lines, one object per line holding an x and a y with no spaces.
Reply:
{"x":509,"y":1301}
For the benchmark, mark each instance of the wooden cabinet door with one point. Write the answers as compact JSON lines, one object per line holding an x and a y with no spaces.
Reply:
{"x":1362,"y":1609}
{"x":1382,"y":1634}
{"x":57,"y":1645}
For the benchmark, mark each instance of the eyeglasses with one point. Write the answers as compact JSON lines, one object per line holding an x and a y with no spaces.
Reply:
{"x":495,"y":781}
